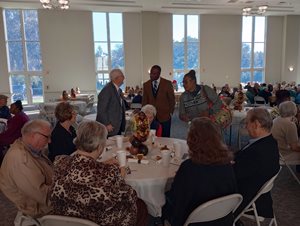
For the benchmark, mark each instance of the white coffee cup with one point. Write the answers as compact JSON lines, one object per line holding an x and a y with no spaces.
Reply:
{"x":121,"y":156}
{"x":119,"y":141}
{"x":165,"y":157}
{"x":177,"y":149}
{"x":153,"y":135}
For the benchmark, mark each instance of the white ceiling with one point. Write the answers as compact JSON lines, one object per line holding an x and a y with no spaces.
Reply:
{"x":276,"y":7}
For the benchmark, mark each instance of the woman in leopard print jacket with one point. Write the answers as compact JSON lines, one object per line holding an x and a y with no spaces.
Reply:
{"x":89,"y":189}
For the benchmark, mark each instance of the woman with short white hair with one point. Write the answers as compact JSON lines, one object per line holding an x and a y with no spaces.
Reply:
{"x":150,"y":112}
{"x":284,"y":130}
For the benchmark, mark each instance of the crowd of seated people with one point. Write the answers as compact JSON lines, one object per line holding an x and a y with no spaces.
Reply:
{"x":65,"y":96}
{"x":90,"y":142}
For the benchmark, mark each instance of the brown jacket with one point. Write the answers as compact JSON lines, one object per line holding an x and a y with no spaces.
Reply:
{"x":26,"y":179}
{"x":164,"y":102}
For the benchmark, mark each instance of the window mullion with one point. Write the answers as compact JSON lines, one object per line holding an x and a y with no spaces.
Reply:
{"x":108,"y":42}
{"x":185,"y":44}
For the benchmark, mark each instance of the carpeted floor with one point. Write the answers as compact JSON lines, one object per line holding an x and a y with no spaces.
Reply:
{"x":286,"y":193}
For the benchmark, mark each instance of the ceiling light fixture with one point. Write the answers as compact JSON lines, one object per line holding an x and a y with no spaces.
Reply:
{"x":55,"y":4}
{"x":255,"y":11}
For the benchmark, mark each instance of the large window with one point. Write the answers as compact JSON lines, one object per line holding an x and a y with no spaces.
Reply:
{"x":109,"y":47}
{"x":24,"y":55}
{"x":253,"y":49}
{"x":185,"y":46}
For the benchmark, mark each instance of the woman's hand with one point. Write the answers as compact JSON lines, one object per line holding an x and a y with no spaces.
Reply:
{"x":123,"y":171}
{"x":111,"y":161}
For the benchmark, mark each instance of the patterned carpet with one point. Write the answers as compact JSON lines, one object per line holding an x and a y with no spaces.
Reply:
{"x":286,"y":193}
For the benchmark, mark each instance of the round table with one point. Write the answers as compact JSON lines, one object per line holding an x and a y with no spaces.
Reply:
{"x":151,"y":180}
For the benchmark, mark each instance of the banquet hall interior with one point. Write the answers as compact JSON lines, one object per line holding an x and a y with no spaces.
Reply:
{"x":76,"y":47}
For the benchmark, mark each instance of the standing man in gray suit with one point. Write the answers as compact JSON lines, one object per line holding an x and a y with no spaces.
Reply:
{"x":111,"y":107}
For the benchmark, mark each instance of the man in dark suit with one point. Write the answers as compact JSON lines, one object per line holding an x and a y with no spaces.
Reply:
{"x":111,"y":106}
{"x":257,"y":162}
{"x":159,"y":92}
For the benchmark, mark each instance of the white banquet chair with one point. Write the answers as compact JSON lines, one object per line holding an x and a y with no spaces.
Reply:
{"x":56,"y":220}
{"x":252,"y":207}
{"x":214,"y":209}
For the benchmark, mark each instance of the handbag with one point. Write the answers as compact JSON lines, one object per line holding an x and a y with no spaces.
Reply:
{"x":222,"y":117}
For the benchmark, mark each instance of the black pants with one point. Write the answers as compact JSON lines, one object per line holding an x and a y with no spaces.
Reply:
{"x":166,"y":128}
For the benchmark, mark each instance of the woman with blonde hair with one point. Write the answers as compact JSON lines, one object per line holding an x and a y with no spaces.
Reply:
{"x":207,"y":175}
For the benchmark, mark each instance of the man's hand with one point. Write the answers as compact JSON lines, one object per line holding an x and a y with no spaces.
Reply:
{"x":109,"y":128}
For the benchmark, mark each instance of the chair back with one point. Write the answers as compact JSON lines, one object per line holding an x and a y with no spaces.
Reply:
{"x":214,"y":209}
{"x":264,"y":189}
{"x":258,"y":101}
{"x":56,"y":220}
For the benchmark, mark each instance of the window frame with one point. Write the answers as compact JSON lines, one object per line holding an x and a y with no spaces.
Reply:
{"x":102,"y":72}
{"x":185,"y":46}
{"x":253,"y":69}
{"x":25,"y":72}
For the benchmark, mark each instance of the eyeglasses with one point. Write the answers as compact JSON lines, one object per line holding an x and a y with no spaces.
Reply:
{"x":47,"y":137}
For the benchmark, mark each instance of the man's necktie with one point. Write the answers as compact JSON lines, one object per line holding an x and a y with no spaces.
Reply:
{"x":154,"y":87}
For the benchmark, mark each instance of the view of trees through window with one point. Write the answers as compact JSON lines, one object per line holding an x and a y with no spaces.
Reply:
{"x":185,"y":46}
{"x":24,"y":55}
{"x":253,"y":50}
{"x":108,"y":43}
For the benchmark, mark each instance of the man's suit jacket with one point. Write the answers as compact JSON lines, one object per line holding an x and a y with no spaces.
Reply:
{"x":163,"y":101}
{"x":253,"y":167}
{"x":110,"y":110}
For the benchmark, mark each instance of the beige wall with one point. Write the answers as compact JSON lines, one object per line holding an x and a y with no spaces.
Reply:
{"x":291,"y":47}
{"x":4,"y":79}
{"x":274,"y":50}
{"x":67,"y":51}
{"x":220,"y":49}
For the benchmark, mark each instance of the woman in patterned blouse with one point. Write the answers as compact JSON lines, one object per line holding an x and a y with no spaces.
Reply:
{"x":89,"y":189}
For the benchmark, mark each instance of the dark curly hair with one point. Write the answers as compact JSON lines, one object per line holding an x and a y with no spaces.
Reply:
{"x":205,"y":143}
{"x":63,"y":111}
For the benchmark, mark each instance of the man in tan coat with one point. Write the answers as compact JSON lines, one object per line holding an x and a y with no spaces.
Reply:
{"x":26,"y":174}
{"x":159,"y":92}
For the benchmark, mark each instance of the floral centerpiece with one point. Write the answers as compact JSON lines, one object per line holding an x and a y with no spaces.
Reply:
{"x":139,"y":124}
{"x":239,"y":100}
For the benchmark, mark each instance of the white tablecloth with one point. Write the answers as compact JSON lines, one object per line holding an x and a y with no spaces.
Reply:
{"x":150,"y":181}
{"x":92,"y":117}
{"x":80,"y":106}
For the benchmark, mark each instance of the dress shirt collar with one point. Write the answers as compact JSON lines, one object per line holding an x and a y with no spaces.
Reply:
{"x":116,"y":86}
{"x":157,"y":82}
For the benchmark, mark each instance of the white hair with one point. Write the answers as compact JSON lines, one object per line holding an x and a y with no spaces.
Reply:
{"x":148,"y":108}
{"x":287,"y":109}
{"x":115,"y":73}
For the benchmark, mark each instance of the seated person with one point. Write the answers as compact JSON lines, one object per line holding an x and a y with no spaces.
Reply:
{"x":73,"y":94}
{"x":257,"y":162}
{"x":14,"y":126}
{"x":26,"y":174}
{"x":150,"y":112}
{"x":102,"y":196}
{"x":65,"y":96}
{"x":4,"y":110}
{"x":207,"y":175}
{"x":64,"y":133}
{"x":131,"y":94}
{"x":284,"y":130}
{"x":77,"y":90}
{"x":224,"y":92}
{"x":138,"y":98}
{"x":265,"y":94}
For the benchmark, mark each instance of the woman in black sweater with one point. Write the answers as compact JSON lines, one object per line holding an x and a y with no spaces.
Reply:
{"x":207,"y":175}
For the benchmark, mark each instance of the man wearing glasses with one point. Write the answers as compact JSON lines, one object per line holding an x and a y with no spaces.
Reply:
{"x":26,"y":173}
